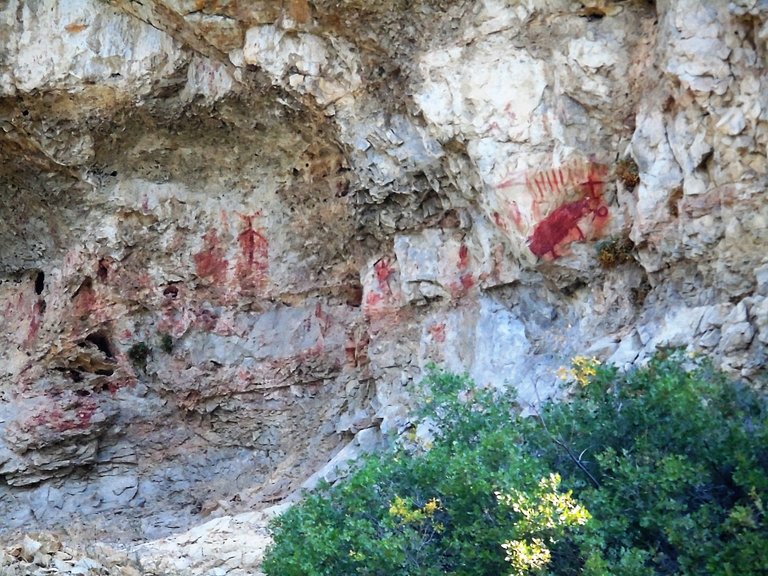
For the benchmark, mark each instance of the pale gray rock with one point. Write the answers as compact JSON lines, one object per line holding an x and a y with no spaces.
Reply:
{"x":234,"y":238}
{"x":736,"y":336}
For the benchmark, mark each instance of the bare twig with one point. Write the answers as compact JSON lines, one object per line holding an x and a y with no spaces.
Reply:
{"x":559,"y":442}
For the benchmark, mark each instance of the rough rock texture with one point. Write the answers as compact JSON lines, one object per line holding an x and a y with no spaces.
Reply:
{"x":235,"y":233}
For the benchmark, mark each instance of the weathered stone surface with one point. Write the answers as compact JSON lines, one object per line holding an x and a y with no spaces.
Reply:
{"x":235,"y":235}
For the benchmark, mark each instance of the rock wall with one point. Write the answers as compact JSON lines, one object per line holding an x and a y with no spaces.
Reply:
{"x":236,"y":233}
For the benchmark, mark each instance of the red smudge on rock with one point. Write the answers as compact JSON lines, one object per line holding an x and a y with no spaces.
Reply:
{"x":373,"y":299}
{"x":253,"y":260}
{"x":467,"y":281}
{"x":114,"y":386}
{"x":324,"y":319}
{"x":383,"y":271}
{"x":207,"y":319}
{"x":438,"y":332}
{"x":78,"y":418}
{"x":210,"y":262}
{"x":381,"y":299}
{"x":35,"y":322}
{"x":514,"y":213}
{"x":463,"y":257}
{"x":85,"y":300}
{"x":500,"y":221}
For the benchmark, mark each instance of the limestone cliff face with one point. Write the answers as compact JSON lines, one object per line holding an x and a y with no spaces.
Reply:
{"x":236,"y":232}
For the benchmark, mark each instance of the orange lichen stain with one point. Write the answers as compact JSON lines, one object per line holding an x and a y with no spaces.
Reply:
{"x":210,"y":262}
{"x":75,"y":27}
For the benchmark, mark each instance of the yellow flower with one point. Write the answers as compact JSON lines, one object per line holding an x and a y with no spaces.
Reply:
{"x":582,"y":370}
{"x":432,"y":506}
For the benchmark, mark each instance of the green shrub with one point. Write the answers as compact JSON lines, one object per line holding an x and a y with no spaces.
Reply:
{"x":660,"y":471}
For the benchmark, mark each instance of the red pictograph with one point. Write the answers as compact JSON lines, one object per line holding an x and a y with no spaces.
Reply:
{"x":253,"y":260}
{"x":210,"y":261}
{"x":566,"y":202}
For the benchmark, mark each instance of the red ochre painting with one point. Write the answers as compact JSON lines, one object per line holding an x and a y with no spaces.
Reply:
{"x":567,"y":205}
{"x":251,"y":260}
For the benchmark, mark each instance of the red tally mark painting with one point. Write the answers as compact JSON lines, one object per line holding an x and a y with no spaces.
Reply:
{"x":555,"y":207}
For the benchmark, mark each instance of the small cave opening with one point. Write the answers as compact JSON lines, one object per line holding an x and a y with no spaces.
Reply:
{"x":354,"y":295}
{"x":102,"y":272}
{"x":101,"y":341}
{"x":171,"y":291}
{"x":39,"y":282}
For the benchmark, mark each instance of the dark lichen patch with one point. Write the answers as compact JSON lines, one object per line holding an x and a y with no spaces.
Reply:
{"x":614,"y":252}
{"x":139,"y":354}
{"x":628,"y":173}
{"x":166,"y":342}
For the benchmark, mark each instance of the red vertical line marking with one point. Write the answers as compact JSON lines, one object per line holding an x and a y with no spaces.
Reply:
{"x":552,"y":188}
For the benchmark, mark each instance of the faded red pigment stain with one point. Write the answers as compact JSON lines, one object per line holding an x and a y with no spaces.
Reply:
{"x":324,"y":320}
{"x":85,"y":300}
{"x":382,"y":297}
{"x":35,"y":322}
{"x":562,"y":226}
{"x":207,"y":319}
{"x":210,"y":262}
{"x":514,"y":213}
{"x":373,"y":299}
{"x":463,"y":257}
{"x":114,"y":386}
{"x":63,"y":421}
{"x":467,"y":281}
{"x":253,"y":259}
{"x":438,"y":332}
{"x":562,"y":180}
{"x":383,"y":271}
{"x":500,"y":222}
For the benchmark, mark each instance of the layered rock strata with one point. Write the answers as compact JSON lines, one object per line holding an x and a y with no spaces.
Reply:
{"x":236,"y":233}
